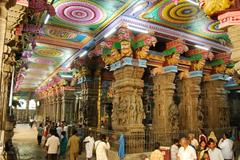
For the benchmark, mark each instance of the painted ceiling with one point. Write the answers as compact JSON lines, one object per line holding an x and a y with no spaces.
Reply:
{"x":44,"y":61}
{"x":78,"y":22}
{"x":185,"y":17}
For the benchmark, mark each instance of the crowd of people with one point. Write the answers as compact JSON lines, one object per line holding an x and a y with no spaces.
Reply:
{"x":203,"y":148}
{"x":61,"y":145}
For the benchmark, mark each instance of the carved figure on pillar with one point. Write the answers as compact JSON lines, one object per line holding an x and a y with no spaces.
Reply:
{"x":127,"y":101}
{"x":125,"y":36}
{"x":142,"y":44}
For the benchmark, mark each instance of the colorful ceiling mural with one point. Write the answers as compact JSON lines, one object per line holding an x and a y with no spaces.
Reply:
{"x":87,"y":16}
{"x":79,"y":24}
{"x":45,"y":59}
{"x":186,"y":17}
{"x":62,"y":36}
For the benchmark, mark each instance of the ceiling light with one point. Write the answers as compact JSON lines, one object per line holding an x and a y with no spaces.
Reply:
{"x":202,"y":47}
{"x":110,"y":32}
{"x":66,"y":76}
{"x":83,"y":54}
{"x":195,"y":3}
{"x":138,"y":7}
{"x":137,"y":29}
{"x":46,"y":19}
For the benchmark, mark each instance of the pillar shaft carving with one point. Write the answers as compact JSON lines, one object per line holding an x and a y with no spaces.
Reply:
{"x":63,"y":117}
{"x":3,"y":21}
{"x":58,"y":106}
{"x":215,"y":104}
{"x":190,"y":107}
{"x":166,"y":114}
{"x":127,"y":100}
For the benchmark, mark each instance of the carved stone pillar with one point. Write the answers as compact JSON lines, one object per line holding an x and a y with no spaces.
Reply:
{"x":69,"y":105}
{"x":234,"y":34}
{"x":215,"y":104}
{"x":80,"y":110}
{"x":165,"y":114}
{"x":3,"y":21}
{"x":63,"y":108}
{"x":88,"y":96}
{"x":58,"y":108}
{"x":190,"y":104}
{"x":128,"y":111}
{"x":4,"y":98}
{"x":27,"y":111}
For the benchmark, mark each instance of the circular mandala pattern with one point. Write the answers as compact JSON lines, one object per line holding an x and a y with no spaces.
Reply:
{"x":182,"y":13}
{"x":83,"y":13}
{"x":43,"y":61}
{"x":214,"y":27}
{"x":48,"y":52}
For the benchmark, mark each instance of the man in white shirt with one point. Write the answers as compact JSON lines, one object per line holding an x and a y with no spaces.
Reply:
{"x":193,"y":140}
{"x":226,"y":146}
{"x":186,"y":152}
{"x":52,"y":146}
{"x":89,"y":144}
{"x":101,"y":147}
{"x":59,"y":130}
{"x":214,"y":152}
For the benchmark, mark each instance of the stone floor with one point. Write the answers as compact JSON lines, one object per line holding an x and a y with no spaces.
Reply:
{"x":25,"y":139}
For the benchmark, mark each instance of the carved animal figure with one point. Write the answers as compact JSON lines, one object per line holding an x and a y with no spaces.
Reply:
{"x":115,"y":55}
{"x":220,"y":68}
{"x":211,"y":7}
{"x":142,"y":53}
{"x":197,"y":66}
{"x":172,"y":59}
{"x":230,"y":71}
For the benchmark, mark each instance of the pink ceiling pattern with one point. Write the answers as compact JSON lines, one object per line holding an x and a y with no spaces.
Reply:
{"x":83,"y":13}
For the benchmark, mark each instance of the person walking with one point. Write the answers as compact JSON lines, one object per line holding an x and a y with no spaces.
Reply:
{"x":157,"y":154}
{"x":214,"y":152}
{"x":226,"y":146}
{"x":186,"y":152}
{"x":40,"y":134}
{"x":89,"y":144}
{"x":63,"y":145}
{"x":101,"y":147}
{"x":73,"y":145}
{"x":52,"y":146}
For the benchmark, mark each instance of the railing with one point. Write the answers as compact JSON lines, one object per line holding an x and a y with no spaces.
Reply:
{"x":137,"y":142}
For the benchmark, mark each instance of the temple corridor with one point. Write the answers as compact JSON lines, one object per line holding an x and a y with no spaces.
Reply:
{"x":134,"y":72}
